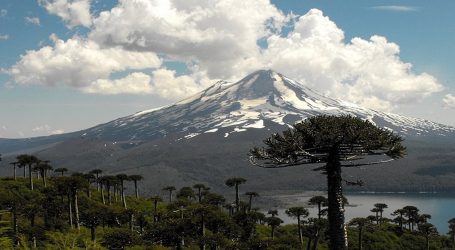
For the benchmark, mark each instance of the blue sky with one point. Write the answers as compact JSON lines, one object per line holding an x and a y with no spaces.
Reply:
{"x":128,"y":65}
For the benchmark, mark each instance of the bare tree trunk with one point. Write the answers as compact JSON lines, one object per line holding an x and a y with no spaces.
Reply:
{"x":299,"y":226}
{"x":70,"y":211}
{"x":102,"y":194}
{"x":123,"y":196}
{"x":76,"y":210}
{"x":93,"y":233}
{"x":135,"y":189}
{"x":30,"y":176}
{"x":360,"y":238}
{"x":14,"y":175}
{"x":237,"y":200}
{"x":337,"y":228}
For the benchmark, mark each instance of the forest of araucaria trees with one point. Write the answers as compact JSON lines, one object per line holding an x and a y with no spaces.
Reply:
{"x":43,"y":207}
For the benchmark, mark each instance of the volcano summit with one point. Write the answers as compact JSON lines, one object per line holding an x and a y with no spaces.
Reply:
{"x":206,"y":137}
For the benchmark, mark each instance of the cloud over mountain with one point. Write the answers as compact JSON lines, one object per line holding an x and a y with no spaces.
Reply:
{"x":219,"y":40}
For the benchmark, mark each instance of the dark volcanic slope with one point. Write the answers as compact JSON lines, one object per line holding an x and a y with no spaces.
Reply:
{"x":206,"y":138}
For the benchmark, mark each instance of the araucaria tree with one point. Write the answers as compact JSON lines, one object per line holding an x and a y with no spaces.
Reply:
{"x":337,"y":142}
{"x":235,"y":182}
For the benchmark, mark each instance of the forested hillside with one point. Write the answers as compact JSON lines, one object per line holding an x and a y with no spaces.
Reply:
{"x":57,"y":210}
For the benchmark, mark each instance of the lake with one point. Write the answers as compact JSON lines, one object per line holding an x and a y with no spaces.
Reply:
{"x":441,"y":206}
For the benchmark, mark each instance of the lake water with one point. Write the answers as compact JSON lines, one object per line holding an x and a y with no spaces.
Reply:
{"x":441,"y":206}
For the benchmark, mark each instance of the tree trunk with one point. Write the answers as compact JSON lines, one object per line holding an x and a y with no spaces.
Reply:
{"x":199,"y":195}
{"x":427,"y":240}
{"x":237,"y":198}
{"x":25,"y":175}
{"x":319,"y":210}
{"x":70,"y":211}
{"x":30,"y":176}
{"x":97,"y":183}
{"x":202,"y":245}
{"x":109,"y":198}
{"x":249,"y":203}
{"x":360,"y":238}
{"x":273,"y":233}
{"x":170,"y":196}
{"x":308,"y":245}
{"x":93,"y":232}
{"x":299,"y":226}
{"x":115,"y":192}
{"x":123,"y":196}
{"x":131,"y":222}
{"x":14,"y":175}
{"x":135,"y":189}
{"x":155,"y":205}
{"x":337,"y":228}
{"x":76,"y":210}
{"x":316,"y":239}
{"x":102,"y":195}
{"x":44,"y":179}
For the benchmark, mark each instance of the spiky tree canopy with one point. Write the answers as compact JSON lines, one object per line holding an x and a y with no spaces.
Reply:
{"x":312,"y":140}
{"x":231,"y":182}
{"x":297,"y":212}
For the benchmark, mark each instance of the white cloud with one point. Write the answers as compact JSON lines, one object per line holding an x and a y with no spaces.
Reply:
{"x":72,"y":12}
{"x":3,"y":13}
{"x":41,"y":128}
{"x":45,"y":130}
{"x":4,"y":37}
{"x":135,"y":83}
{"x":220,"y":36}
{"x":219,"y":40}
{"x":368,"y":72}
{"x":32,"y":20}
{"x":170,"y":86}
{"x":449,"y":101}
{"x":396,"y":8}
{"x":57,"y":132}
{"x":77,"y":62}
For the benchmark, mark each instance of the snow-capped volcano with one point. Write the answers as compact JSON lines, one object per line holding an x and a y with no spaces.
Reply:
{"x":206,"y":138}
{"x":262,"y":99}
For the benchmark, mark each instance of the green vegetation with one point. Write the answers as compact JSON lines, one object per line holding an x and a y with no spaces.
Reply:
{"x":91,"y":211}
{"x":338,"y":142}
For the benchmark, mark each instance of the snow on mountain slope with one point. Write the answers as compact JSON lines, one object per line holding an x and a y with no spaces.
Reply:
{"x":258,"y":100}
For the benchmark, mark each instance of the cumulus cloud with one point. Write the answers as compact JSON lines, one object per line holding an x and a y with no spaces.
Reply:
{"x":449,"y":101}
{"x":396,"y":8}
{"x":46,"y":129}
{"x":135,"y":83}
{"x":4,"y":37}
{"x":77,"y":62}
{"x":220,"y":36}
{"x":72,"y":12}
{"x":32,"y":20}
{"x":367,"y":72}
{"x":3,"y":13}
{"x":219,"y":40}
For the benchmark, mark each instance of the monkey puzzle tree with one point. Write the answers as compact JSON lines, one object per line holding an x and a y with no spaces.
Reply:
{"x":337,"y":142}
{"x":14,"y":164}
{"x":61,"y":171}
{"x":299,"y":213}
{"x":360,"y":223}
{"x":380,"y":207}
{"x":321,"y":201}
{"x":200,"y":187}
{"x":235,"y":182}
{"x":135,"y":178}
{"x":28,"y":160}
{"x":250,"y":198}
{"x":170,"y":189}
